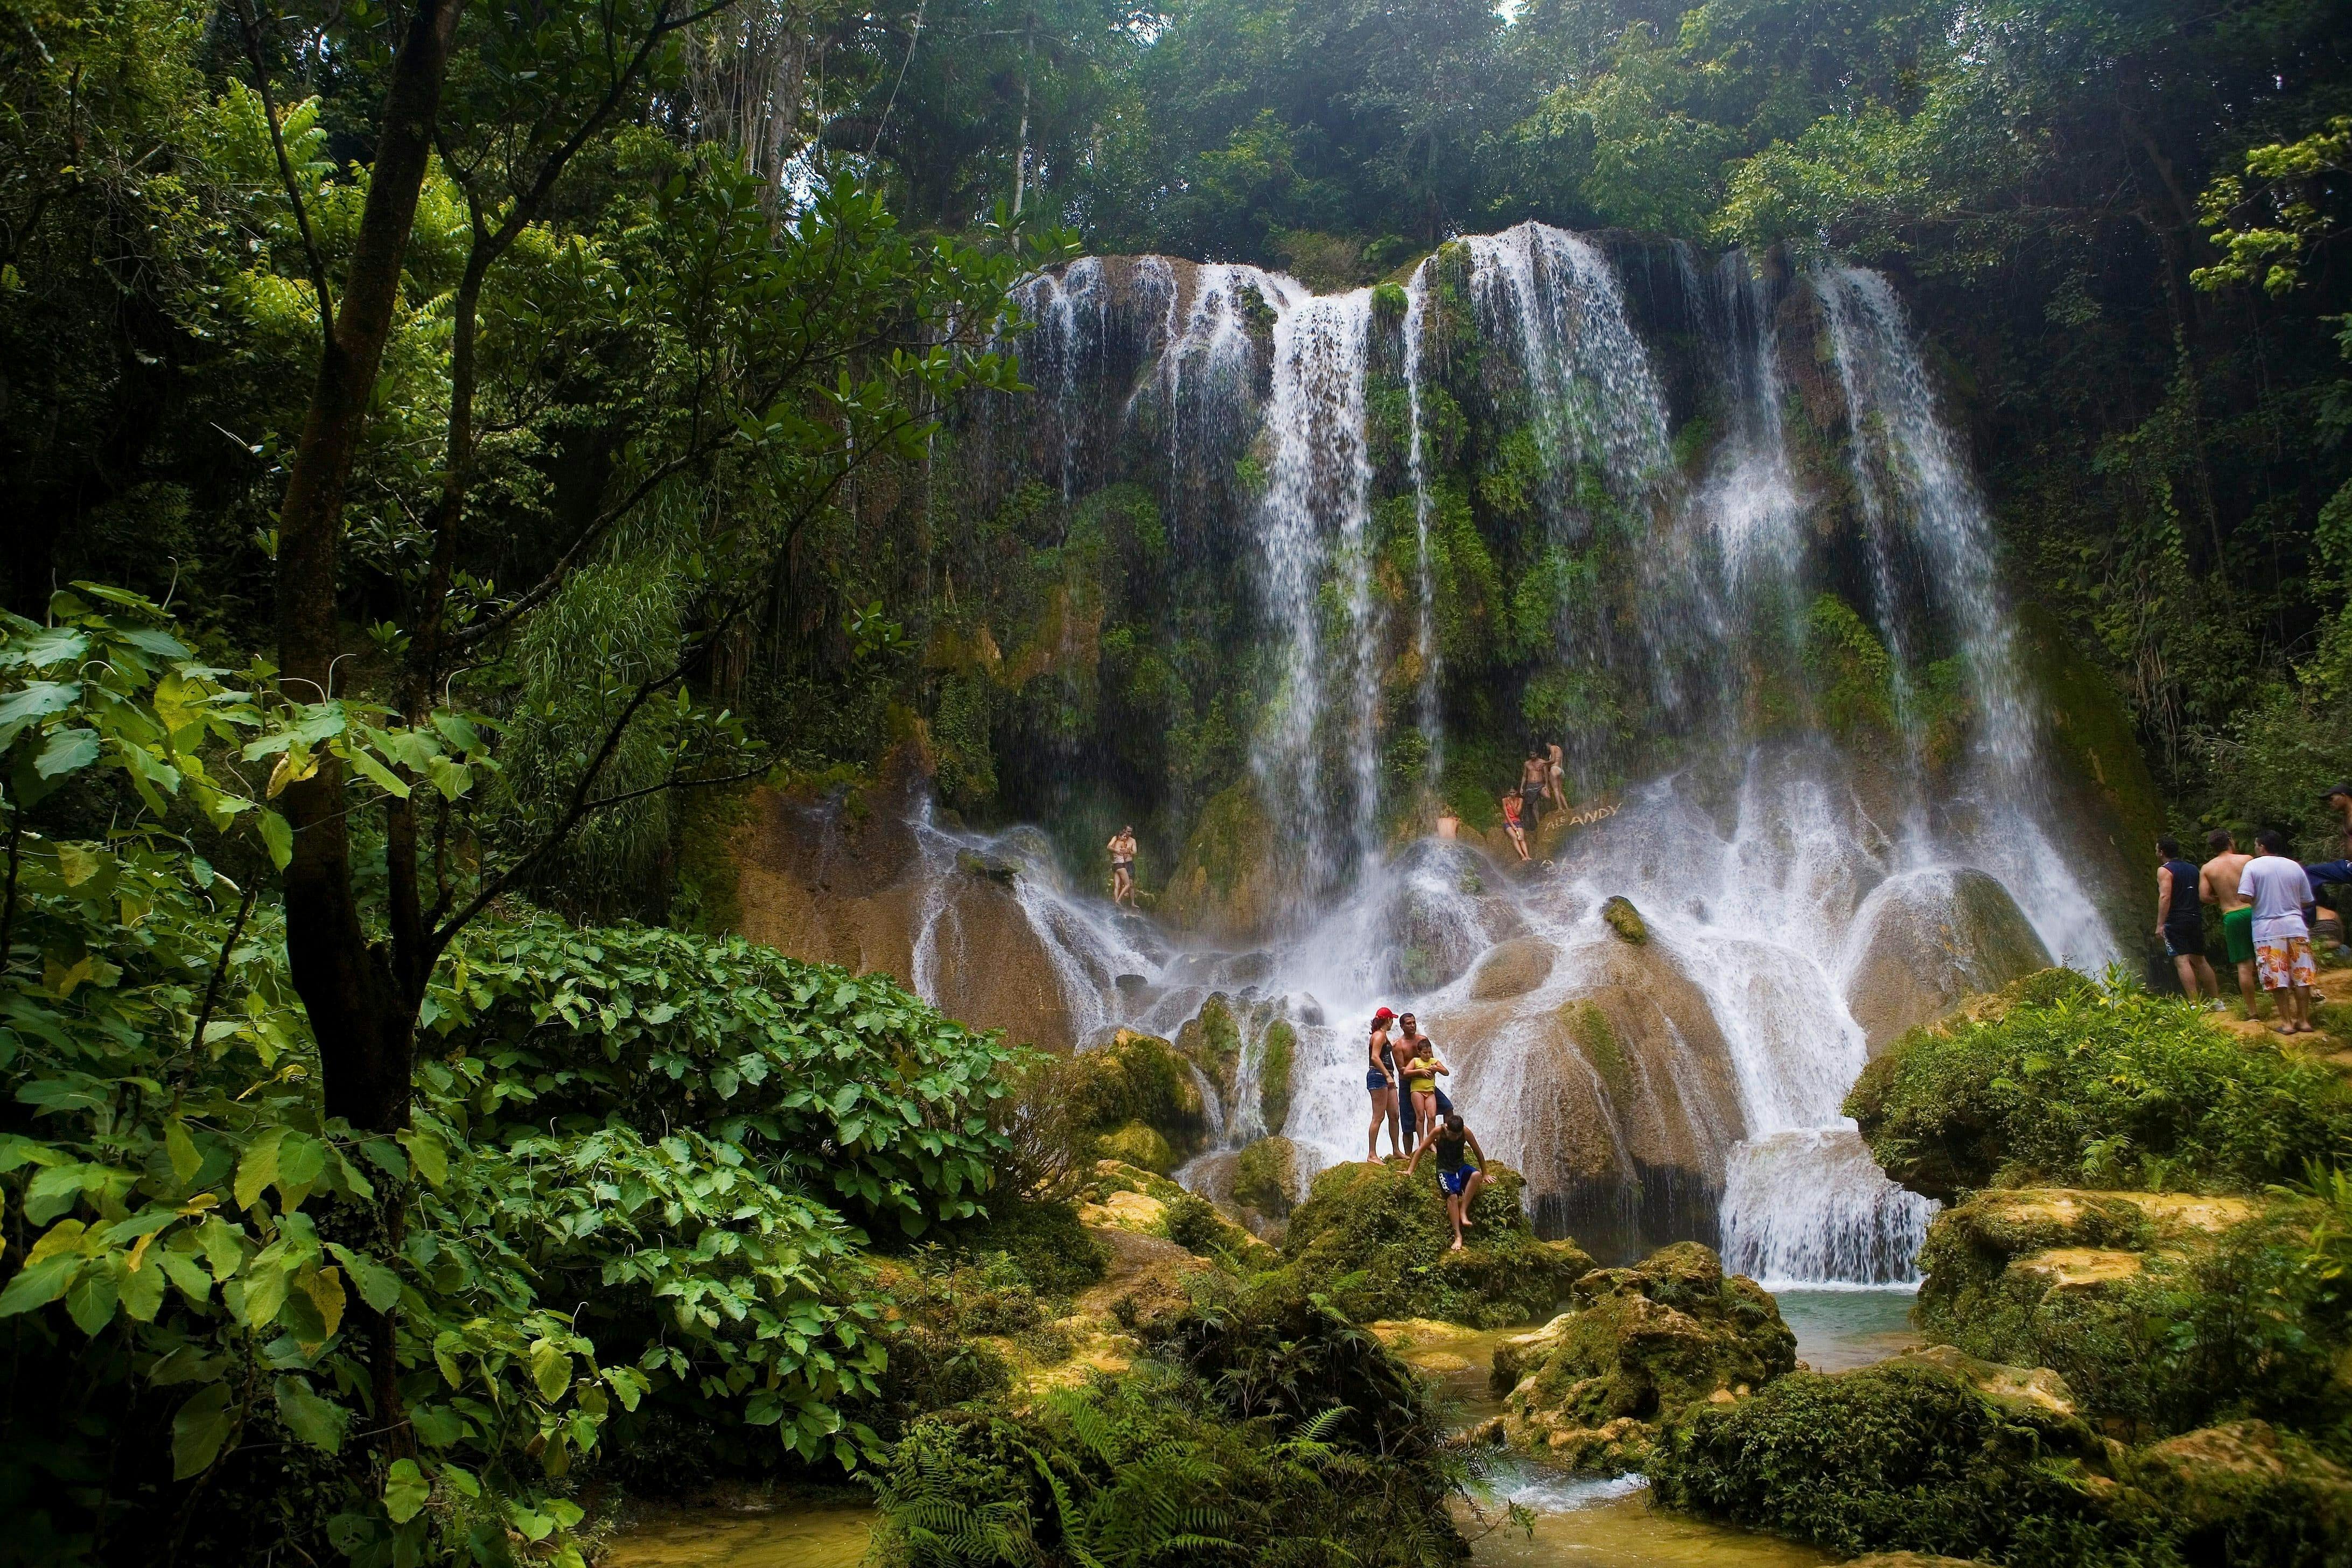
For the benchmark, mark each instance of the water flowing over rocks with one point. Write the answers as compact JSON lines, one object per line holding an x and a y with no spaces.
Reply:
{"x":1824,"y":779}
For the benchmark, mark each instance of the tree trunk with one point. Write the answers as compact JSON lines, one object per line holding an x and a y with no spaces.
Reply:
{"x":364,"y":1021}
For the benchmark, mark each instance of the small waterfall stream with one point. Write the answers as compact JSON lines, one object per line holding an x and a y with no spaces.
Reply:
{"x":1779,"y":867}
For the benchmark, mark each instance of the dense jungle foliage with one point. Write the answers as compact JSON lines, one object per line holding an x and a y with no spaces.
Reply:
{"x":444,"y":445}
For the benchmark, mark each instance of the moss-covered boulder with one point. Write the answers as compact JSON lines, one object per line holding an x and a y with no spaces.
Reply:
{"x":1135,"y":1097}
{"x":1379,"y":1237}
{"x":1230,"y":880}
{"x":1909,"y":1455}
{"x":2246,"y":1492}
{"x":1620,"y":915}
{"x":1278,"y":1046}
{"x":1265,"y":1177}
{"x":1592,"y":1386}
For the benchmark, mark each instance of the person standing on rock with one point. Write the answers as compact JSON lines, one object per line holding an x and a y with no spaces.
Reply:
{"x":1380,"y":1078}
{"x":2278,"y":889}
{"x":1534,"y":786}
{"x":1460,"y":1179}
{"x":1122,"y":866}
{"x":1421,"y":1067}
{"x":2181,"y":923}
{"x":2217,"y":885}
{"x":1558,"y":777}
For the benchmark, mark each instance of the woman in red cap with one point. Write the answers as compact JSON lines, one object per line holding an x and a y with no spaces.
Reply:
{"x":1380,"y":1078}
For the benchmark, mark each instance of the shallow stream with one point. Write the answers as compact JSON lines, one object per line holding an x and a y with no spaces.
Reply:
{"x":1577,"y":1522}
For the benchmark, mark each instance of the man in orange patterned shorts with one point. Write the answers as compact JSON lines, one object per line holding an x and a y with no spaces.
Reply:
{"x":2278,"y":889}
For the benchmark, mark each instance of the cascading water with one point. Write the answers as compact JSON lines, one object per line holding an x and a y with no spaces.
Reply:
{"x":1787,"y":876}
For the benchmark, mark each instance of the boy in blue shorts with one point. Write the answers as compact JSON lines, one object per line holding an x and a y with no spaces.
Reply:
{"x":1457,"y":1175}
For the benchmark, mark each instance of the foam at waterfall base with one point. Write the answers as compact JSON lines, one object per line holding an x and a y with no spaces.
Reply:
{"x":1809,"y":1207}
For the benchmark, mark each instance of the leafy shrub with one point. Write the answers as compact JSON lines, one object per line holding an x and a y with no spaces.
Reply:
{"x":607,"y":1223}
{"x":1194,"y":1225}
{"x":1902,"y":1458}
{"x":2070,"y":1084}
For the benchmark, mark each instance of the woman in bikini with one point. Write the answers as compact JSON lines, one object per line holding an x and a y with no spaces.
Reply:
{"x":1380,"y":1078}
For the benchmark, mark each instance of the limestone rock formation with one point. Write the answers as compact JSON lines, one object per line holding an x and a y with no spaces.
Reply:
{"x":1641,"y":1343}
{"x":1512,"y":968}
{"x":1136,"y":1098}
{"x":1625,"y":1102}
{"x":844,"y":880}
{"x":2247,"y":1480}
{"x":1924,"y":941}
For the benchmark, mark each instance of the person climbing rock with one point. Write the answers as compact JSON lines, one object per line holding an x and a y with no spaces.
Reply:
{"x":1421,"y":1067}
{"x":1511,"y":824}
{"x":2217,"y":885}
{"x":1460,"y":1179}
{"x":1380,"y":1078}
{"x":2181,"y":923}
{"x":1122,"y":865}
{"x":2277,"y":889}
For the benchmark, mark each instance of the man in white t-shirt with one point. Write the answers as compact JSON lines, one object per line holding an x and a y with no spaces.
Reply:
{"x":2278,"y":889}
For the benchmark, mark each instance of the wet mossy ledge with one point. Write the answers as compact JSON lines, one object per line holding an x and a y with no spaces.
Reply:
{"x":2137,"y":1283}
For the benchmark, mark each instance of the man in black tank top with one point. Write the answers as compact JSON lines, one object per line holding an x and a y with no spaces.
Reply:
{"x":2180,"y":924}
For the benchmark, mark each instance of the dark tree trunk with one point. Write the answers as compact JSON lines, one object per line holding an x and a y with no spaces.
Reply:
{"x":361,"y":1012}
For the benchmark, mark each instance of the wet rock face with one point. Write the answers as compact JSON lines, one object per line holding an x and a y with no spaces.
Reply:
{"x":845,"y":882}
{"x":1626,"y":1106}
{"x":1512,"y":969}
{"x":1641,"y":1343}
{"x":1925,"y":942}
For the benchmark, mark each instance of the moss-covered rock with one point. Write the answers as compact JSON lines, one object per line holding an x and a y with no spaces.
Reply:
{"x":2246,"y":1492}
{"x":1623,"y":919}
{"x":1377,"y":1222}
{"x":1910,"y":1455}
{"x":1929,"y":940}
{"x":1592,"y":1386}
{"x":1265,"y":1177}
{"x":1279,"y":1045}
{"x":1138,"y":1144}
{"x":1230,"y":880}
{"x":1135,"y":1096}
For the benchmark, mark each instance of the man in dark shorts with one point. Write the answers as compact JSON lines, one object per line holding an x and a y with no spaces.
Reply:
{"x":2338,"y":798}
{"x":2181,"y":923}
{"x":1458,"y":1178}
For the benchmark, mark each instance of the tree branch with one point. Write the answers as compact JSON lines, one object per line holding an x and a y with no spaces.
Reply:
{"x":285,"y":170}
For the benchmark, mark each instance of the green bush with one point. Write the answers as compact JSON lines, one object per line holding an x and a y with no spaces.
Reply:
{"x":1904,"y":1458}
{"x":2072,"y":1085}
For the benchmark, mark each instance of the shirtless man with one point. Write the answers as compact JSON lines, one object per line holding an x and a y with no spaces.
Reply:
{"x":2218,"y":884}
{"x":1122,"y":866}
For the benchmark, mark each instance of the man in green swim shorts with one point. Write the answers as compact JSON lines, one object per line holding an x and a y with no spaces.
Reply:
{"x":2217,"y":883}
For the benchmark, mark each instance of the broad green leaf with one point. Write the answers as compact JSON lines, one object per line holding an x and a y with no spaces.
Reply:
{"x":550,"y":1369}
{"x":426,"y":1148}
{"x":257,"y":1168}
{"x":324,"y":1287}
{"x":376,"y":772}
{"x":405,"y":1491}
{"x":379,"y":1286}
{"x":91,"y":1300}
{"x":67,"y":752}
{"x":277,"y":836}
{"x":182,"y":1149}
{"x":199,"y":1429}
{"x":38,"y":1284}
{"x":317,"y":1422}
{"x":301,"y":1160}
{"x":141,"y":1284}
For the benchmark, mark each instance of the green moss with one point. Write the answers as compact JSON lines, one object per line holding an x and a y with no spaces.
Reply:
{"x":1852,"y":675}
{"x":706,"y":901}
{"x":1389,"y":303}
{"x":1139,"y":1144}
{"x":1641,"y":1343}
{"x":1905,"y":1456}
{"x":1378,"y":1239}
{"x":1273,"y":1074}
{"x":1626,"y":920}
{"x":1590,"y":1027}
{"x":1135,"y":1080}
{"x":1056,"y":1255}
{"x":1265,"y":1176}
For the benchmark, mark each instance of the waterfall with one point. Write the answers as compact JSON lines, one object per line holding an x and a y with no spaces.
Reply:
{"x":1687,"y":505}
{"x":1317,"y":585}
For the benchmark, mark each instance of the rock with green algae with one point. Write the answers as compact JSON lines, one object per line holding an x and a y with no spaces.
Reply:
{"x":1927,"y":942}
{"x":1138,"y":1144}
{"x":2248,"y":1493}
{"x":1625,"y":920}
{"x":1230,"y":880}
{"x":1265,"y":1177}
{"x":1379,"y":1237}
{"x":1277,"y":1045}
{"x":1134,"y":1081}
{"x":1640,"y":1343}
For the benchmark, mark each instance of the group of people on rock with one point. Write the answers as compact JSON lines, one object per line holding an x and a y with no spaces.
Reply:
{"x":1401,"y":1070}
{"x":1542,"y":784}
{"x":2268,"y":906}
